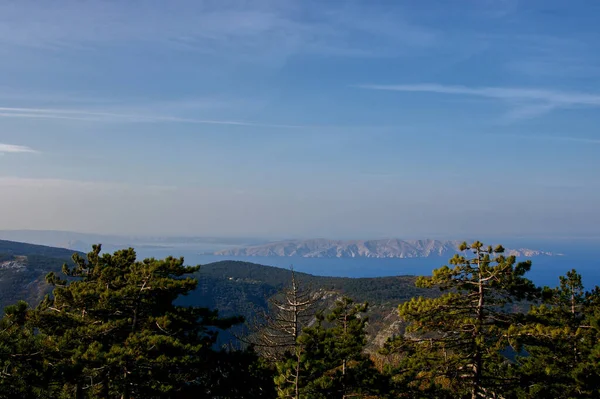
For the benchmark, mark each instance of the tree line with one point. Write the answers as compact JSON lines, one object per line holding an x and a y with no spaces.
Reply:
{"x":113,"y":328}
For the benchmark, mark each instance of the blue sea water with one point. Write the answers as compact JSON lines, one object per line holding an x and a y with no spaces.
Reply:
{"x":545,"y":269}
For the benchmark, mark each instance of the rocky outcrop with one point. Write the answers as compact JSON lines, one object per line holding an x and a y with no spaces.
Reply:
{"x":387,"y":248}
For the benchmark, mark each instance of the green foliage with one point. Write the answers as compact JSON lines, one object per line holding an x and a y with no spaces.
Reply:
{"x":114,"y":328}
{"x":332,"y":359}
{"x":457,"y":339}
{"x":23,"y":373}
{"x":561,"y":343}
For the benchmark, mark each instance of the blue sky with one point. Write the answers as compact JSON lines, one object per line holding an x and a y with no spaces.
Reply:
{"x":282,"y":118}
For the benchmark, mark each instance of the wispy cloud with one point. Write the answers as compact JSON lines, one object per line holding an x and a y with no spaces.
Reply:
{"x":234,"y":28}
{"x":96,"y":116}
{"x":25,"y":182}
{"x":581,"y":140}
{"x":529,"y":111}
{"x":556,"y":97}
{"x":11,"y":148}
{"x":529,"y":102}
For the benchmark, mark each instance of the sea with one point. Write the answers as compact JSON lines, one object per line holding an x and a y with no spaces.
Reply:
{"x":581,"y":255}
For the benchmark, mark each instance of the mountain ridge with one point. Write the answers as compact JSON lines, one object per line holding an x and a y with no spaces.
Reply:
{"x":379,"y":248}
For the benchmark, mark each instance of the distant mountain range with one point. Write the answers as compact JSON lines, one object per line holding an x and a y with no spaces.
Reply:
{"x":245,"y":247}
{"x":386,"y":248}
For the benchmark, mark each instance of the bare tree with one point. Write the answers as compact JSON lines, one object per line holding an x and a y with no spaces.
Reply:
{"x":289,"y":312}
{"x":277,"y":331}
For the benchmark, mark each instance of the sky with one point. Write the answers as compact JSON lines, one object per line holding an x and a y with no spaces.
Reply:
{"x":281,"y":119}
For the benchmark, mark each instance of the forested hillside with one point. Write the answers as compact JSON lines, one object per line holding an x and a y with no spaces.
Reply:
{"x":23,"y":268}
{"x":231,"y":285}
{"x":21,"y":248}
{"x":242,"y":288}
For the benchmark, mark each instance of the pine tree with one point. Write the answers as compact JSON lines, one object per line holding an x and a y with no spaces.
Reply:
{"x":333,"y":363}
{"x":459,"y":337}
{"x":559,"y":341}
{"x":587,"y":373}
{"x":22,"y":370}
{"x":346,"y":340}
{"x":113,"y":327}
{"x":239,"y":374}
{"x":413,"y":372}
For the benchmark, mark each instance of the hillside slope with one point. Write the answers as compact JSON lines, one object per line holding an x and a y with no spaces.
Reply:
{"x":242,"y":288}
{"x":23,"y":268}
{"x":231,"y":285}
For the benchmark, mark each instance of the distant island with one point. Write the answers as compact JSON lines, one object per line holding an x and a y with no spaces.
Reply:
{"x":382,"y":248}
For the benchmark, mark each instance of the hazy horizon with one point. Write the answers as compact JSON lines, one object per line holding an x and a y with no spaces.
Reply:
{"x":290,"y":119}
{"x":7,"y":234}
